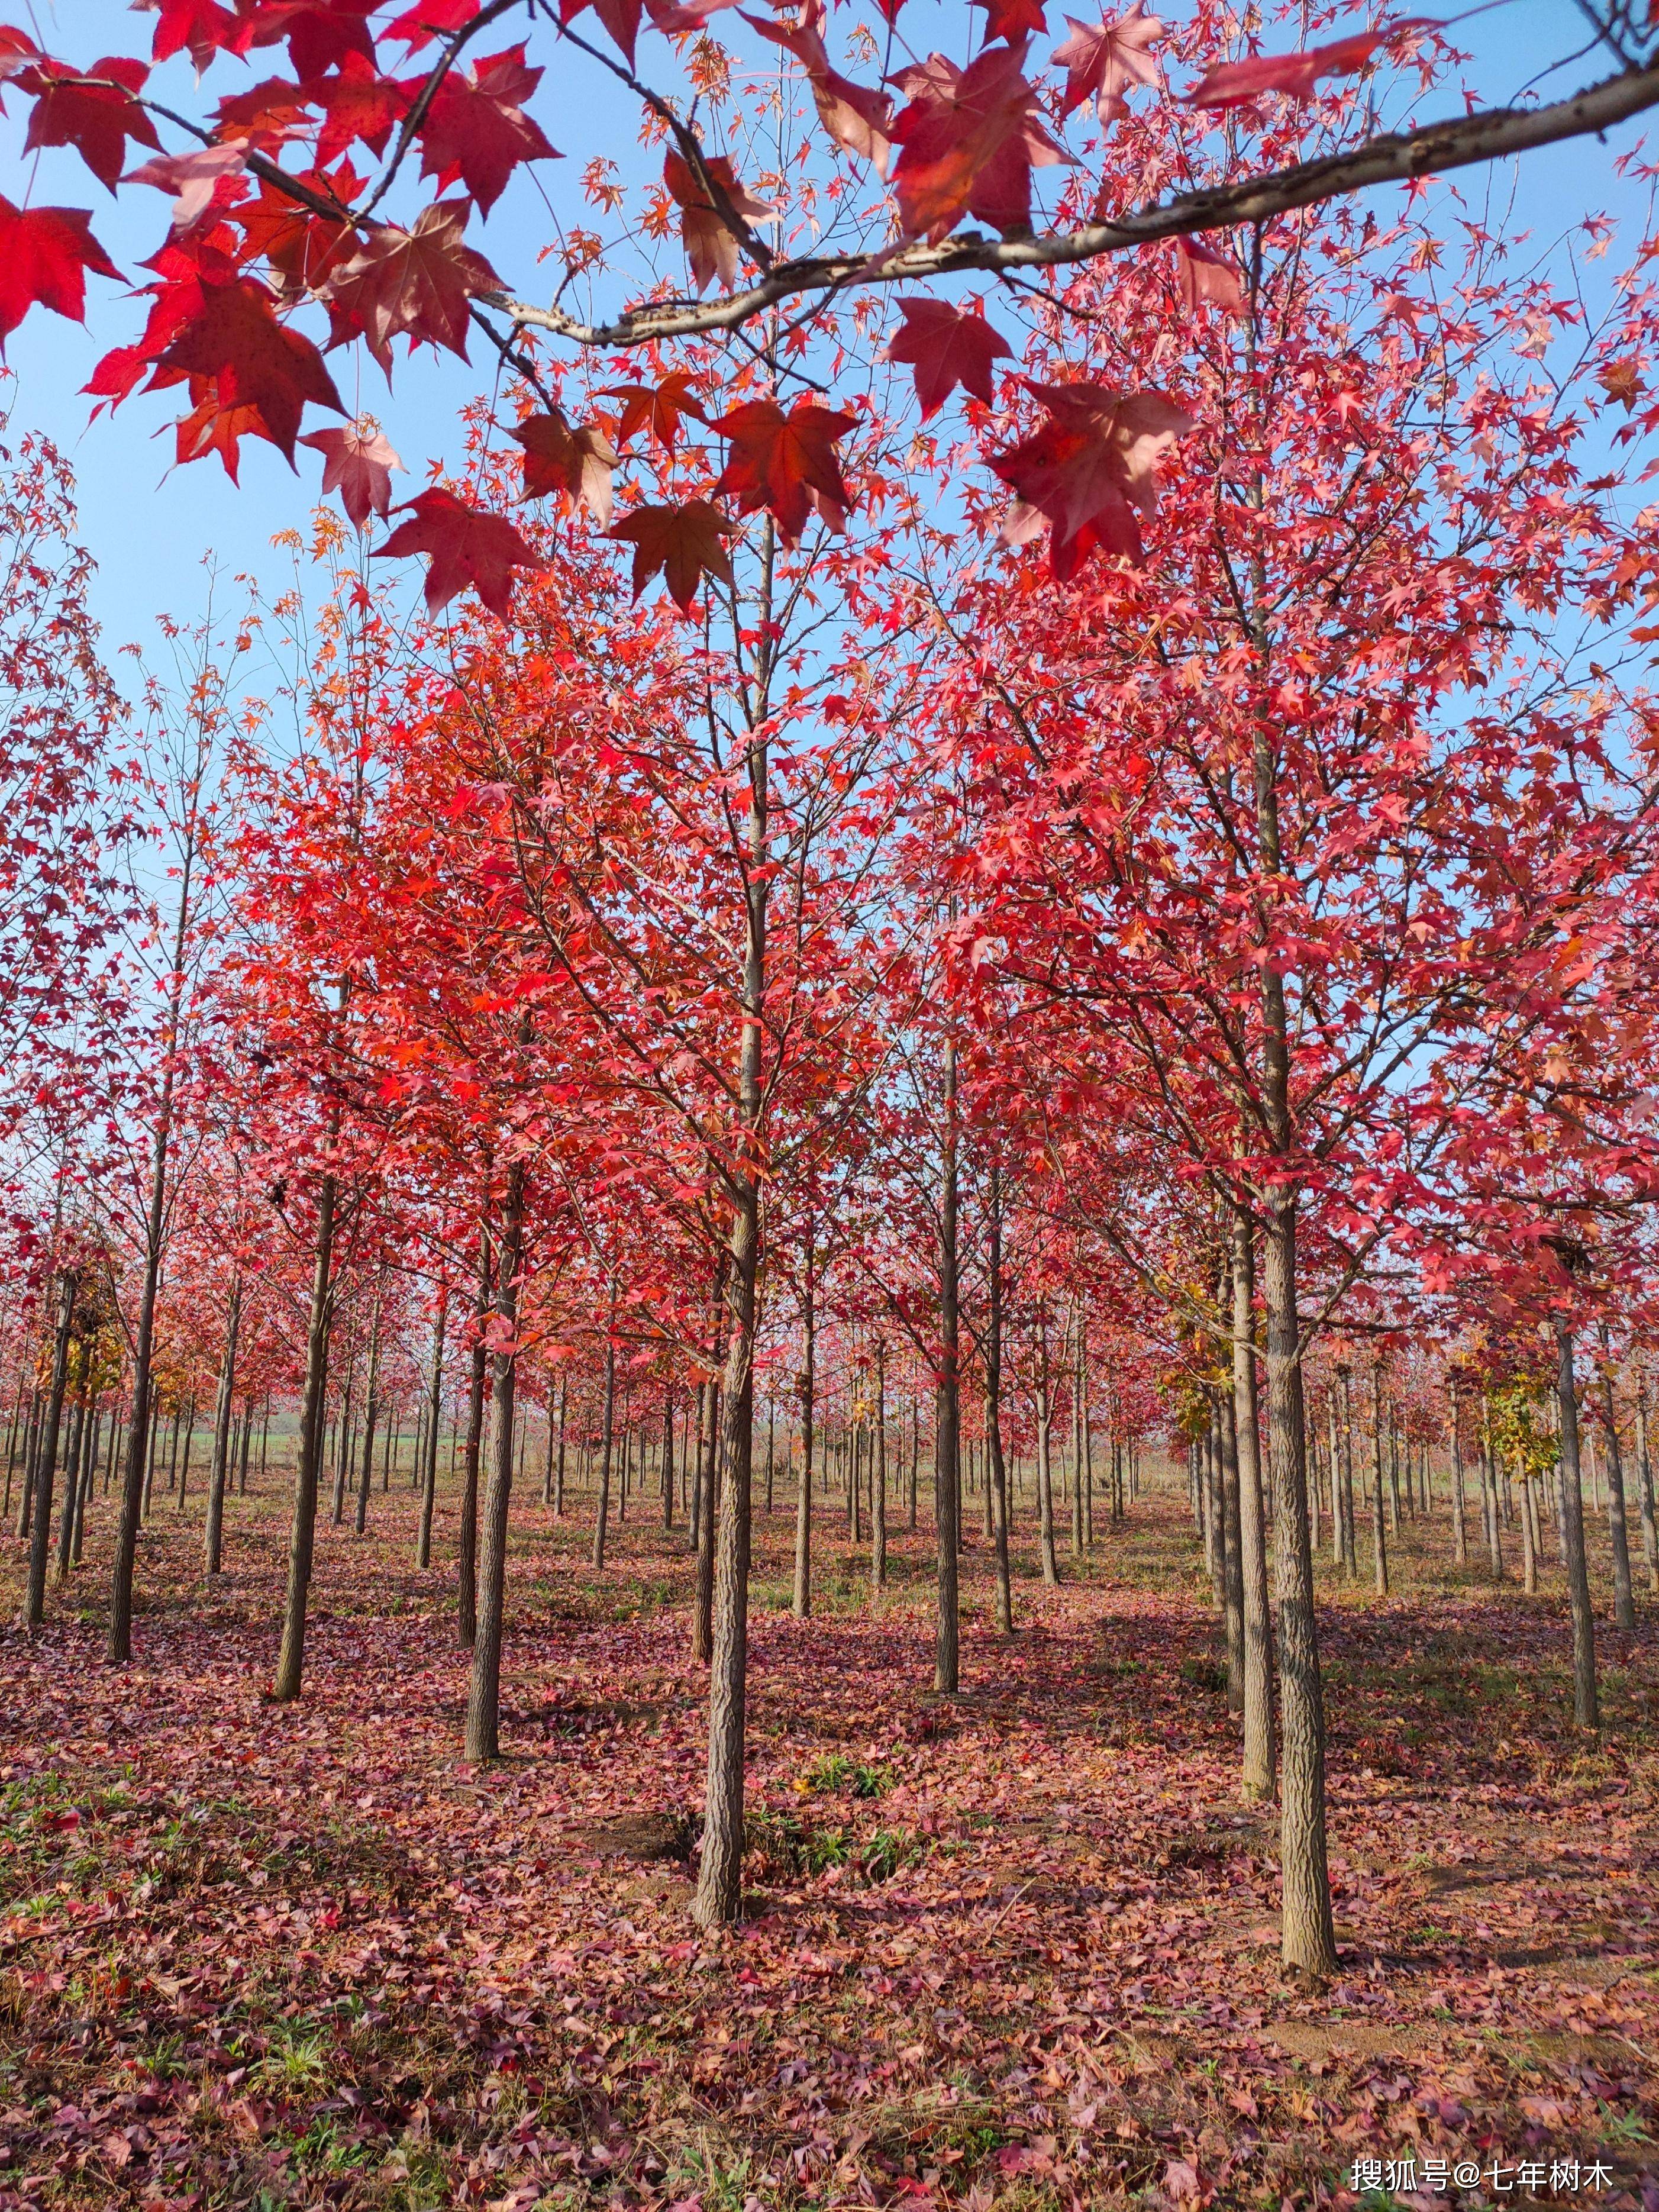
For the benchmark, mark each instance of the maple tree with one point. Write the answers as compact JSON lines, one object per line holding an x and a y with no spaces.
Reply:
{"x":1088,"y":958}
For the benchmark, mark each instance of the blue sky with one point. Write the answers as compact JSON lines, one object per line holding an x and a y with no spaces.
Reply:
{"x":150,"y":526}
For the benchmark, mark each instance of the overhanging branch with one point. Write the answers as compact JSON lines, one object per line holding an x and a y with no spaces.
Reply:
{"x":1462,"y":143}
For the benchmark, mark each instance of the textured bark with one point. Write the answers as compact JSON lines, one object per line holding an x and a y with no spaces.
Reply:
{"x":1586,"y":1709}
{"x":34,"y":1610}
{"x":719,"y":1883}
{"x":801,"y":1601}
{"x":484,"y":1691}
{"x":435,"y":1404}
{"x":607,"y":1439}
{"x":219,"y":1473}
{"x":1232,"y":1590}
{"x":466,"y":1603}
{"x":1256,"y":1781}
{"x":308,"y":1464}
{"x":1623,"y":1602}
{"x":1076,"y":1434}
{"x":1644,"y":1473}
{"x":702,"y":1602}
{"x":1379,"y":1534}
{"x":371,"y":1413}
{"x":72,"y":1459}
{"x":1045,"y":1474}
{"x":879,"y":1477}
{"x":1459,"y":1530}
{"x":1308,"y":1935}
{"x":89,"y":1476}
{"x":558,"y":1471}
{"x":947,"y":1635}
{"x":719,"y":1876}
{"x":668,"y":1457}
{"x":998,"y":1471}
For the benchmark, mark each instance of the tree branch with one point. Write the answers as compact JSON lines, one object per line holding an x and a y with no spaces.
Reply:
{"x":1462,"y":141}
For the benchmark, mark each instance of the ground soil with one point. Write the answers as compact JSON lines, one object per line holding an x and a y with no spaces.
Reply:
{"x":1017,"y":1948}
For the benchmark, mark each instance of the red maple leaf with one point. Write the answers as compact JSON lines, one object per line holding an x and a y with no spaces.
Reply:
{"x":253,"y":360}
{"x":358,"y":465}
{"x":969,"y":138}
{"x":358,"y":104}
{"x":683,"y":18}
{"x":96,"y":119}
{"x":1089,"y":472}
{"x":200,"y":27}
{"x":266,"y":116}
{"x":301,"y":248}
{"x":711,"y":247}
{"x":681,"y":542}
{"x":573,"y":466}
{"x":194,"y":179}
{"x":1103,"y":60}
{"x":1015,"y":21}
{"x":416,"y":281}
{"x":17,"y":50}
{"x":320,"y":34}
{"x":855,"y":116}
{"x":1206,"y":275}
{"x":786,"y":463}
{"x":464,"y":545}
{"x":1239,"y":84}
{"x":44,"y":254}
{"x":477,"y":129}
{"x":656,"y":408}
{"x":432,"y":19}
{"x":620,"y":17}
{"x":211,"y":428}
{"x":946,"y":346}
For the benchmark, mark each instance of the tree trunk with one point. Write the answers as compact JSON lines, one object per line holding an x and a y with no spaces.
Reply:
{"x":1644,"y":1475}
{"x":948,"y":1625}
{"x":879,"y":1478}
{"x":72,"y":1459}
{"x":308,"y":1465}
{"x":31,"y":1451}
{"x":719,"y":1896}
{"x":1379,"y":1534}
{"x":998,"y":1471}
{"x":801,"y":1600}
{"x":429,"y":1454}
{"x":466,"y":1608}
{"x":220,"y":1473}
{"x":602,"y":1510}
{"x":668,"y":1456}
{"x":371,"y":1412}
{"x":1309,"y":1936}
{"x":1232,"y":1552}
{"x":1623,"y":1602}
{"x":1460,"y":1532}
{"x":89,"y":1476}
{"x":139,"y":1464}
{"x":1586,"y":1711}
{"x":1256,"y":1783}
{"x":40,"y":1534}
{"x":702,"y":1610}
{"x":484,"y":1696}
